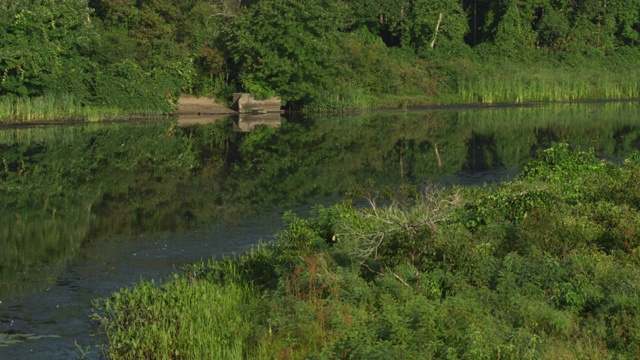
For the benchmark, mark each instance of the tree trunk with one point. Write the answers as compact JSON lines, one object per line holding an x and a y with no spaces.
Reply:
{"x":433,"y":43}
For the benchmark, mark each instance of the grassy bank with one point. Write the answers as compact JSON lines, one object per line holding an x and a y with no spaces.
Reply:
{"x":486,"y":81}
{"x":62,"y":108}
{"x":408,"y":82}
{"x":514,"y":83}
{"x":544,"y":266}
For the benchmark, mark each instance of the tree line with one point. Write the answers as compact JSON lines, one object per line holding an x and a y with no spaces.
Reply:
{"x":146,"y":53}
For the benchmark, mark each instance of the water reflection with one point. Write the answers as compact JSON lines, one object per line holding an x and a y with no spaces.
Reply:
{"x":197,"y":119}
{"x":64,"y":185}
{"x":248,"y":122}
{"x":245,"y":122}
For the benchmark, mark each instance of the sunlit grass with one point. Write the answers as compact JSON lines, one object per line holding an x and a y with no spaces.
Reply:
{"x":541,"y":84}
{"x":494,"y":84}
{"x":348,"y":99}
{"x":61,"y":107}
{"x":182,"y":318}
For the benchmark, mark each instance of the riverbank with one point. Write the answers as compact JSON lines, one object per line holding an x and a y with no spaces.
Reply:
{"x":458,"y":83}
{"x":66,"y":109}
{"x":544,"y":266}
{"x":63,"y":108}
{"x":356,"y":55}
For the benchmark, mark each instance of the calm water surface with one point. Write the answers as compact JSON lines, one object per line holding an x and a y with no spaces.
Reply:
{"x":89,"y":209}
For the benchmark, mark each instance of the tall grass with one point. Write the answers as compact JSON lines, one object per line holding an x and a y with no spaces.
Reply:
{"x":181,"y":319}
{"x":357,"y":99}
{"x":493,"y":83}
{"x":341,"y":100}
{"x":59,"y":107}
{"x":208,"y":311}
{"x":545,"y":84}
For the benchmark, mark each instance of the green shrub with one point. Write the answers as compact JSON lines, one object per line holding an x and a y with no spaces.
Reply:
{"x":126,"y":86}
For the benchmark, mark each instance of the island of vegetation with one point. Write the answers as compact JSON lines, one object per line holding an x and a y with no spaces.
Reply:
{"x":108,"y":59}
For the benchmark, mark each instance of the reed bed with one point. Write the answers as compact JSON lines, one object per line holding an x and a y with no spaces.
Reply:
{"x":493,"y":84}
{"x":548,"y":85}
{"x":60,"y":108}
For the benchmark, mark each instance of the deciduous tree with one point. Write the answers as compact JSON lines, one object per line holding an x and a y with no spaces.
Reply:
{"x":284,"y":47}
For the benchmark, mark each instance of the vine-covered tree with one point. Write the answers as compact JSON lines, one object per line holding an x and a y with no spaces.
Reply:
{"x":44,"y":46}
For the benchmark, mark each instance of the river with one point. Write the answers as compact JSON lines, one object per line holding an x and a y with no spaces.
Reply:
{"x":90,"y":208}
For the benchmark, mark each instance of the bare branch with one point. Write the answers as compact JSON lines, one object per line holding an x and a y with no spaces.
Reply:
{"x":382,"y":222}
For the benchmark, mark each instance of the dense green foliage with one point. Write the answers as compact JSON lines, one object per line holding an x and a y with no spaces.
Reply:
{"x":44,"y":47}
{"x":544,"y":266}
{"x":138,"y":57}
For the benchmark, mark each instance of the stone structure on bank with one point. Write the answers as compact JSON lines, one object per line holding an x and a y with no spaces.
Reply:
{"x":247,"y":111}
{"x":245,"y":103}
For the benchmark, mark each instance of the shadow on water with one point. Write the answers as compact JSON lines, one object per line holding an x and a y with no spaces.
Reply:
{"x":89,"y":209}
